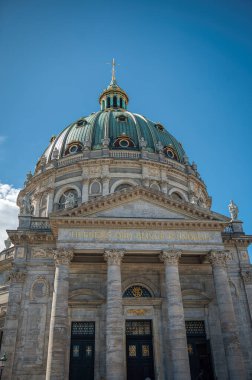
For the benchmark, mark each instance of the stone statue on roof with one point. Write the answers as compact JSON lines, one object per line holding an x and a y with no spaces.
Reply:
{"x":26,"y":206}
{"x":233,"y":209}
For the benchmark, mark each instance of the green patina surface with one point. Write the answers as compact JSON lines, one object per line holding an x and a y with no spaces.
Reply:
{"x":107,"y":124}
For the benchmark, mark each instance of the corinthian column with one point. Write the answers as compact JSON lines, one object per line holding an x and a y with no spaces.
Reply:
{"x":235,"y":364}
{"x":114,"y":317}
{"x":58,"y":334}
{"x":176,"y":320}
{"x":17,"y":278}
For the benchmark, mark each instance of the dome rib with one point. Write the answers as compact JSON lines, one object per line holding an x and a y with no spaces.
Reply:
{"x":152,"y":134}
{"x":107,"y":124}
{"x":137,"y":126}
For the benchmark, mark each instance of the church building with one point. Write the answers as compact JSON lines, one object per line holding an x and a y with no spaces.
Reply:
{"x":119,"y":269}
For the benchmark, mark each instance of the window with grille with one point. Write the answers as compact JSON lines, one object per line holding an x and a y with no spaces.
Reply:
{"x":136,"y":291}
{"x":194,"y":328}
{"x":138,"y":328}
{"x":83,"y":329}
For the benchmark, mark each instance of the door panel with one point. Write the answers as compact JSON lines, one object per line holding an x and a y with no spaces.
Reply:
{"x":199,"y":351}
{"x":82,"y":351}
{"x":139,"y":351}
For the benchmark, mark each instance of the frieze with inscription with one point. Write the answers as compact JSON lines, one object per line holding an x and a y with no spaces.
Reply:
{"x":134,"y":236}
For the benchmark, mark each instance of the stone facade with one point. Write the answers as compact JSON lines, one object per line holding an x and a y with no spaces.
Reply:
{"x":121,"y":245}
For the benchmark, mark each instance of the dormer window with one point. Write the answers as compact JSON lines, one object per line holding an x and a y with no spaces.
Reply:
{"x":81,"y":123}
{"x":122,"y":118}
{"x":124,"y":141}
{"x":159,"y":126}
{"x":73,"y":148}
{"x":170,"y":152}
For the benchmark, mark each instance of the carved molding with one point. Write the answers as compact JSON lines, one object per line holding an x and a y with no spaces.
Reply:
{"x":171,"y":257}
{"x":40,"y":253}
{"x":114,"y":256}
{"x":39,"y":288}
{"x":219,"y":258}
{"x":62,"y":256}
{"x":17,"y":276}
{"x":33,"y":237}
{"x":247,"y":276}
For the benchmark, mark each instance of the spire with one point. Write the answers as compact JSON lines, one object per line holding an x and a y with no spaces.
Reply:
{"x":113,"y":79}
{"x":113,"y":97}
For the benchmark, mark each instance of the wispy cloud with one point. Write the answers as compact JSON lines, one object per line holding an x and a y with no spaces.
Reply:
{"x":8,"y":210}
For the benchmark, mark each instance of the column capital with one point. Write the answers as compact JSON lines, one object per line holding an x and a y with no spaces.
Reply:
{"x":171,"y":256}
{"x":219,"y":258}
{"x":17,"y":276}
{"x":247,"y":276}
{"x":62,"y":255}
{"x":114,"y":256}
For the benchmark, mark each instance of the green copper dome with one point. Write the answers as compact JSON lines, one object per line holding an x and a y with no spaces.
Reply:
{"x":114,"y":128}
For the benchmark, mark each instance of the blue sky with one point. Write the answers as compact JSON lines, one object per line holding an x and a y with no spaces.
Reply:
{"x":187,"y":64}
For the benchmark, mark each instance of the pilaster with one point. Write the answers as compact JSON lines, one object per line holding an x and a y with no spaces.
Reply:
{"x":85,"y":184}
{"x":17,"y":279}
{"x":246,"y":274}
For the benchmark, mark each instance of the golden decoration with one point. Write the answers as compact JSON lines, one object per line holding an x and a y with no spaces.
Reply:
{"x":137,"y":312}
{"x":190,"y":349}
{"x":137,"y":291}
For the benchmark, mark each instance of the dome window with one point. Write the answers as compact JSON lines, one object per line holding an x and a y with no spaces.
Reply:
{"x":121,"y":103}
{"x":108,"y":102}
{"x":170,"y":152}
{"x":73,"y":148}
{"x":124,"y":142}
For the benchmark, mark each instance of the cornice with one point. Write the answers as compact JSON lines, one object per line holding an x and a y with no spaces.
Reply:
{"x":37,"y":178}
{"x":118,"y":198}
{"x":241,"y":240}
{"x":132,"y":224}
{"x":21,"y":237}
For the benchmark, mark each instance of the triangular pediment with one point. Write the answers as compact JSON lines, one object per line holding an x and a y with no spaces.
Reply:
{"x":140,"y":209}
{"x":138,"y":203}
